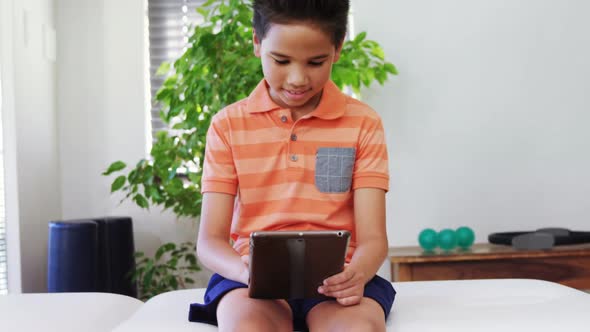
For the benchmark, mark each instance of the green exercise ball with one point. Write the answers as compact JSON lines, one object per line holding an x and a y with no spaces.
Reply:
{"x":427,"y":239}
{"x":465,"y":237}
{"x":447,"y":239}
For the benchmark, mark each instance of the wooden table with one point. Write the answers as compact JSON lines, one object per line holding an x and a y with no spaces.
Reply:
{"x":567,"y":265}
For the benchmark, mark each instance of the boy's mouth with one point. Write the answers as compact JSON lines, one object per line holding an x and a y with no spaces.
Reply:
{"x":296,"y":94}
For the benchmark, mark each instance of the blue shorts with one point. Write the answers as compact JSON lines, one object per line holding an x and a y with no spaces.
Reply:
{"x":377,"y":289}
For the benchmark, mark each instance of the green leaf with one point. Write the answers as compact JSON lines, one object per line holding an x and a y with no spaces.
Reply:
{"x":202,"y":11}
{"x":381,"y":76}
{"x":175,"y":186}
{"x":114,"y":167}
{"x":133,"y":176}
{"x":147,"y":279}
{"x":193,"y":268}
{"x":118,"y":183}
{"x":141,"y":163}
{"x":191,"y":259}
{"x":155,"y":194}
{"x":174,"y":112}
{"x":159,"y":253}
{"x":173,"y":282}
{"x":141,"y":201}
{"x":163,"y":69}
{"x":360,"y":37}
{"x":378,"y":52}
{"x":166,"y":247}
{"x":390,"y":68}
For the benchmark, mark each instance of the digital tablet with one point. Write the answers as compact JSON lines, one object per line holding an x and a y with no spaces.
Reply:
{"x":293,"y":264}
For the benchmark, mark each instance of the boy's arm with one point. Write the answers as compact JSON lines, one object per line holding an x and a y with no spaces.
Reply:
{"x":369,"y":214}
{"x":213,"y":248}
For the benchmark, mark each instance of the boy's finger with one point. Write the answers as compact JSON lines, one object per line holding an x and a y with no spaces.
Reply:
{"x":351,"y":290}
{"x":339,"y":278}
{"x":337,"y":287}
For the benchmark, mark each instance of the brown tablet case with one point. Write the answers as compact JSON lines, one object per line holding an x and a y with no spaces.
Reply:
{"x":293,"y":264}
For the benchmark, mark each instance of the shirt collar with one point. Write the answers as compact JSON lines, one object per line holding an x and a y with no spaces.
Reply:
{"x":332,"y":103}
{"x":259,"y":100}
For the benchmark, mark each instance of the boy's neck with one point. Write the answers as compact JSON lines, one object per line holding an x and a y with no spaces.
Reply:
{"x":299,"y":112}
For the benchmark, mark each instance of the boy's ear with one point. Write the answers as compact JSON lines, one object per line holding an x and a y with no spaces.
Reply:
{"x":338,"y":51}
{"x":256,"y":43}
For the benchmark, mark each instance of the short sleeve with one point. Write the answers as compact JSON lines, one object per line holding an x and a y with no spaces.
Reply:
{"x":219,"y":171}
{"x":371,"y":168}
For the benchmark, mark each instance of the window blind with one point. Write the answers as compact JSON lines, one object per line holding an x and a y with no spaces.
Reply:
{"x":3,"y":258}
{"x":169,"y":26}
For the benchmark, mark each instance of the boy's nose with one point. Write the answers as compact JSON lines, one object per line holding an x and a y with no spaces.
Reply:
{"x":297,"y":78}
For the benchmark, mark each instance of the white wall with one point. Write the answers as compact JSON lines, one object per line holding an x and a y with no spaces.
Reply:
{"x":67,"y":120}
{"x":33,"y":167}
{"x":487,"y":123}
{"x":103,"y":112}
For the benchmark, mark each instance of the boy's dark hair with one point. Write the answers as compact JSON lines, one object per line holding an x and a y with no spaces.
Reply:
{"x":329,"y":15}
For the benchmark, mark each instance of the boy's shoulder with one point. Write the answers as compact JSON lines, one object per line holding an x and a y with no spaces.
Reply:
{"x":355,"y":107}
{"x":235,"y":110}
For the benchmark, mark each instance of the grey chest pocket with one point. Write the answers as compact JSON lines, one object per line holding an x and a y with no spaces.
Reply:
{"x":333,"y":169}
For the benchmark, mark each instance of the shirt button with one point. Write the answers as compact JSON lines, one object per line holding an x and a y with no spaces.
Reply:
{"x":284,"y":118}
{"x":293,"y":157}
{"x":293,"y":137}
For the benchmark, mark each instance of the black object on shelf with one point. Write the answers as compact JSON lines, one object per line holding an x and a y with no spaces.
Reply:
{"x":541,"y":239}
{"x":91,"y":255}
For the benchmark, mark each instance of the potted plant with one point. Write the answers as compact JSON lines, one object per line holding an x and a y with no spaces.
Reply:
{"x":217,"y":69}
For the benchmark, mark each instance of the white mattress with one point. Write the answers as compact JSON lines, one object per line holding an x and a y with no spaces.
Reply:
{"x":500,"y":305}
{"x":65,"y":312}
{"x":504,"y":305}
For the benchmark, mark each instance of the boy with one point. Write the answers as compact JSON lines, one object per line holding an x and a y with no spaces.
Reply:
{"x":299,"y":155}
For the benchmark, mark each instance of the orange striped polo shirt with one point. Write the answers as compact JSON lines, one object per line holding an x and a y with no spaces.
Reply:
{"x":294,"y":175}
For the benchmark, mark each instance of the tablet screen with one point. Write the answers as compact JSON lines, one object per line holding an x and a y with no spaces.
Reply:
{"x":293,"y":264}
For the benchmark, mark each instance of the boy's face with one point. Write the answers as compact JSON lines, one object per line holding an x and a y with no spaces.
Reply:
{"x":297,"y":61}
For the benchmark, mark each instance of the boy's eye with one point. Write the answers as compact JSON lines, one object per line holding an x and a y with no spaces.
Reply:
{"x":282,"y":62}
{"x":316,"y":64}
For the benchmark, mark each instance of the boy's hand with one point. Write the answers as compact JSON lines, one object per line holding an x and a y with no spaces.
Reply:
{"x":347,"y":286}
